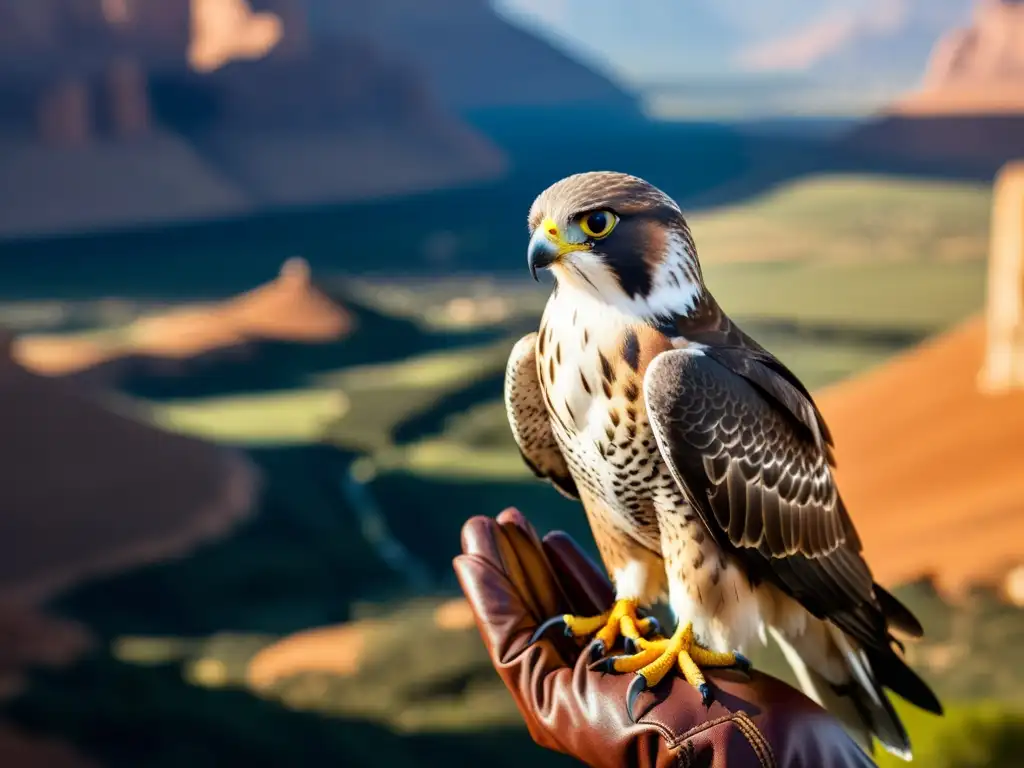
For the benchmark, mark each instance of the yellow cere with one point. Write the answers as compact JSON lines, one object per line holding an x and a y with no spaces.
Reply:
{"x":554,"y":234}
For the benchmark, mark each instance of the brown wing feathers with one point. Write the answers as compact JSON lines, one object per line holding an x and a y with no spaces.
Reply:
{"x":762,"y":484}
{"x":710,"y":326}
{"x":767,"y":489}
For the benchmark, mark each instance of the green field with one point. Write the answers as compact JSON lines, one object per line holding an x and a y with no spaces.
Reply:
{"x":905,"y":296}
{"x":842,"y":219}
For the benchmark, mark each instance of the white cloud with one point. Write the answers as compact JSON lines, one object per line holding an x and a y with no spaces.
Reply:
{"x":804,"y":47}
{"x":554,"y":13}
{"x":800,"y":50}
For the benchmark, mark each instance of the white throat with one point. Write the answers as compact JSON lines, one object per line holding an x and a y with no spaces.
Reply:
{"x":673,"y":290}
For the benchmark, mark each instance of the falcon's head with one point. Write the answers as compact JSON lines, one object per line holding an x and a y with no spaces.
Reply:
{"x":619,"y":238}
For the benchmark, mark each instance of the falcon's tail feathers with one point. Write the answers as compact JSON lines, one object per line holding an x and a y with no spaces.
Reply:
{"x":894,"y":674}
{"x":861,"y":704}
{"x":870,"y":699}
{"x":897,"y":615}
{"x":816,"y":687}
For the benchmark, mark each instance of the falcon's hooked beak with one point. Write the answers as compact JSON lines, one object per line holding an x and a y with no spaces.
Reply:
{"x":548,"y":246}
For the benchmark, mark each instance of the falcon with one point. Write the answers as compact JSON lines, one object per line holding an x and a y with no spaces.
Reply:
{"x":702,"y":463}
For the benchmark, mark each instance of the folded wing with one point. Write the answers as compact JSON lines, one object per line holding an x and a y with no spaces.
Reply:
{"x":529,"y":419}
{"x":749,"y":450}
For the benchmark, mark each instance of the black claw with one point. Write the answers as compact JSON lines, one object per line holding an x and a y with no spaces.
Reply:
{"x":630,"y":645}
{"x":742,"y":663}
{"x":633,"y":693}
{"x":596,"y":651}
{"x":706,"y":696}
{"x":607,"y":664}
{"x":554,"y":621}
{"x":654,"y":627}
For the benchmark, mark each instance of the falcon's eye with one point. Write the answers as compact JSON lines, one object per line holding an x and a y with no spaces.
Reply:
{"x":598,"y":224}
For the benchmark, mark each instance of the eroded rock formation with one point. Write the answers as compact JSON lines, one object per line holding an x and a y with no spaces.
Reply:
{"x":1003,"y":368}
{"x":127,"y":114}
{"x":977,"y":69}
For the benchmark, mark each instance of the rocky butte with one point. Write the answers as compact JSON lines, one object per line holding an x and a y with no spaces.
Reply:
{"x":968,"y":116}
{"x":978,"y":69}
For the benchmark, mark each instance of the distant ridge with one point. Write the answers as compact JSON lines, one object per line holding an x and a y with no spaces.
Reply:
{"x":975,"y":146}
{"x":473,"y":59}
{"x":118,"y":120}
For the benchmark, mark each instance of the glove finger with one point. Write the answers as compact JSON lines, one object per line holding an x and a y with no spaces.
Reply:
{"x":586,"y":586}
{"x":478,"y":538}
{"x":500,"y":614}
{"x":512,"y":516}
{"x":505,"y":625}
{"x":529,"y":569}
{"x":507,"y":596}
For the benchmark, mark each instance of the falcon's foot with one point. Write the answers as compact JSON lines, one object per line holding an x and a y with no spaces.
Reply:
{"x":621,"y":620}
{"x":656,"y":658}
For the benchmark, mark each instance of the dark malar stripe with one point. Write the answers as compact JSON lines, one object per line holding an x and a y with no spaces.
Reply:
{"x":632,"y":271}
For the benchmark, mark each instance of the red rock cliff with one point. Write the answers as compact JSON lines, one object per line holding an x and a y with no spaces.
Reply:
{"x":979,"y":69}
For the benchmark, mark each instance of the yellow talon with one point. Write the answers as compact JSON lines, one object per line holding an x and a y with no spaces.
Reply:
{"x":580,"y":626}
{"x":705,"y":658}
{"x":690,"y":670}
{"x":656,"y":658}
{"x":623,"y":613}
{"x":638,"y":630}
{"x":606,"y":628}
{"x":620,"y":621}
{"x":633,"y":663}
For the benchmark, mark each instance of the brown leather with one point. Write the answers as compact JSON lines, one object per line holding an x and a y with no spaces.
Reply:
{"x":513,"y":581}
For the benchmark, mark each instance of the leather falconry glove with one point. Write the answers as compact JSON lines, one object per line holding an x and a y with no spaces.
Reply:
{"x":514,"y":580}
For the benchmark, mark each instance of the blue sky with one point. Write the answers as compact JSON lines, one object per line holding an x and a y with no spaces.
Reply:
{"x":638,"y":40}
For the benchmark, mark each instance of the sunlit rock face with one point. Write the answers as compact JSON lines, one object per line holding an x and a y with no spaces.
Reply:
{"x":968,"y":115}
{"x":135,"y":113}
{"x":977,"y":69}
{"x":223,"y":31}
{"x":1003,"y":369}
